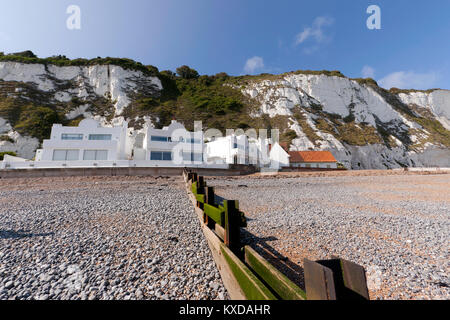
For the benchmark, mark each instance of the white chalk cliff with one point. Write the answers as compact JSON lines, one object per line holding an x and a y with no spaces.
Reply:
{"x":59,"y":85}
{"x":343,"y":96}
{"x":318,"y":107}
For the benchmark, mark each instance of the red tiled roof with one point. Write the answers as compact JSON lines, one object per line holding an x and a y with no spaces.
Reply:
{"x":311,"y":156}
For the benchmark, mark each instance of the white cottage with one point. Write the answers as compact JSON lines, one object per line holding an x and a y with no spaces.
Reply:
{"x":87,"y":142}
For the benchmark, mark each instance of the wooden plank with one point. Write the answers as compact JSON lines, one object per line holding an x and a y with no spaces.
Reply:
{"x":319,"y":281}
{"x":194,"y":188}
{"x":220,"y":232}
{"x":252,"y":287}
{"x":277,"y":281}
{"x":216,"y":214}
{"x":200,"y":198}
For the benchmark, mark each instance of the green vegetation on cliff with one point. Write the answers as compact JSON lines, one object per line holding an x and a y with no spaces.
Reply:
{"x":3,"y":153}
{"x":29,"y":119}
{"x":188,"y":98}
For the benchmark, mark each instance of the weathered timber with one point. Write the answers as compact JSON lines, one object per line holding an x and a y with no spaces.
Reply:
{"x":232,"y":225}
{"x":216,"y":214}
{"x":252,"y":287}
{"x":229,"y":281}
{"x":319,"y":281}
{"x":278,"y":282}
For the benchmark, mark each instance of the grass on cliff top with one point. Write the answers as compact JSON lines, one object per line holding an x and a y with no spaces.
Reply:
{"x":62,"y":61}
{"x":242,"y":80}
{"x":406,"y":91}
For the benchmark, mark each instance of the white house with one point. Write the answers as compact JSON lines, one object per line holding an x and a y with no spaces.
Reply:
{"x":278,"y":156}
{"x":171,"y":145}
{"x":231,"y":149}
{"x":87,"y":142}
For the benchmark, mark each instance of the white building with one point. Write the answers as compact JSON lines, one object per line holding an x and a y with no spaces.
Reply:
{"x":171,"y":145}
{"x":313,"y":159}
{"x":231,"y":149}
{"x":87,"y":142}
{"x":279,"y":158}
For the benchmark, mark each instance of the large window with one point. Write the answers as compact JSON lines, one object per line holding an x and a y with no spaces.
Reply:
{"x":95,"y":155}
{"x":160,"y":139}
{"x":161,"y":156}
{"x":71,"y":136}
{"x":65,"y":155}
{"x":197,"y":157}
{"x":100,"y":137}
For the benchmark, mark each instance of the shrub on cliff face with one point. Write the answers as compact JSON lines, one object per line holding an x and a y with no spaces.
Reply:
{"x":36,"y":121}
{"x":2,"y":154}
{"x":6,"y":138}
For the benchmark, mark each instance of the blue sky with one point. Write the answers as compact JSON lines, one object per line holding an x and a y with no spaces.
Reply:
{"x":412,"y":49}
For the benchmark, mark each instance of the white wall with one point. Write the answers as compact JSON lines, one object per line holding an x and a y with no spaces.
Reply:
{"x":321,"y":165}
{"x":5,"y":164}
{"x":230,"y":149}
{"x":278,"y":157}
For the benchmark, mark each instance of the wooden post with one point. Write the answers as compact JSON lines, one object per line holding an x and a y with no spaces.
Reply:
{"x":201,"y":182}
{"x":353,"y":279}
{"x":209,"y":195}
{"x":232,"y":225}
{"x":209,"y":199}
{"x":319,"y":282}
{"x":335,"y":279}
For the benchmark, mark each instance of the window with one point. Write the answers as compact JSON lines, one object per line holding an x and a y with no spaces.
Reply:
{"x":100,"y":137}
{"x":155,"y":155}
{"x":159,"y":139}
{"x":192,"y":156}
{"x":192,"y":141}
{"x":65,"y":155}
{"x":161,"y":156}
{"x":71,"y":136}
{"x":95,"y":155}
